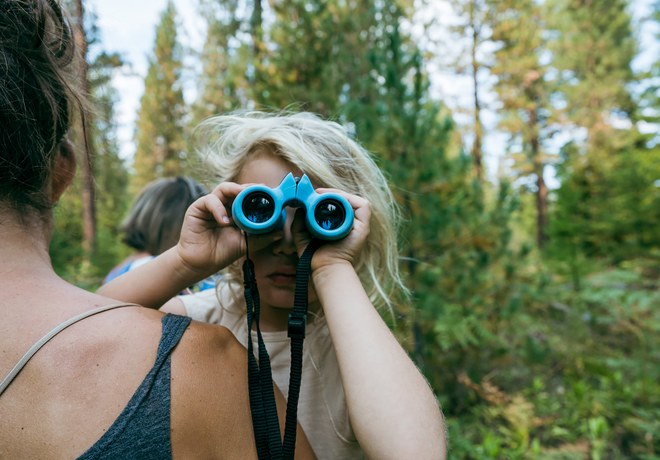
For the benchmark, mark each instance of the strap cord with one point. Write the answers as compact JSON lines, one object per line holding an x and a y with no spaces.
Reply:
{"x":261,"y":392}
{"x":262,"y":397}
{"x":297,"y":326}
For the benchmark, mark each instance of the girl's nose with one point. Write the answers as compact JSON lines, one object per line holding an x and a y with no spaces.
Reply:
{"x":286,"y":245}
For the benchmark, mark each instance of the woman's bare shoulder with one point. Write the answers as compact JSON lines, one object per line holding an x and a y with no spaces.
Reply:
{"x":210,"y":412}
{"x":210,"y":405}
{"x":212,"y":391}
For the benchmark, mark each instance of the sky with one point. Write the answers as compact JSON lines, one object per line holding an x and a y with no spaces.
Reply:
{"x":128,"y":27}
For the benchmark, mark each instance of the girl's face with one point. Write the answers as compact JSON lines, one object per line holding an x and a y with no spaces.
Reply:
{"x":275,"y":265}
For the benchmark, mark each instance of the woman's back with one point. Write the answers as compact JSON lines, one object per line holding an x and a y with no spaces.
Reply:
{"x":78,"y":384}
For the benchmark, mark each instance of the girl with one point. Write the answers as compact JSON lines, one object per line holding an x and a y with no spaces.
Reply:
{"x":361,"y":395}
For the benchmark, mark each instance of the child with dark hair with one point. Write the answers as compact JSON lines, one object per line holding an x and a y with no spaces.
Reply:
{"x":153,"y":224}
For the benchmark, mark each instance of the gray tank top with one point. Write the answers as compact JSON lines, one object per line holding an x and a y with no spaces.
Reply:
{"x":142,"y":430}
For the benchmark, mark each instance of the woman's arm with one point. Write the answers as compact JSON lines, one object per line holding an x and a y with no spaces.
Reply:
{"x":210,"y":409}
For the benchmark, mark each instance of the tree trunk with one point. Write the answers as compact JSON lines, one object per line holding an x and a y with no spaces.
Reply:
{"x":478,"y":129}
{"x":256,"y":26}
{"x":415,"y":324}
{"x":541,"y":188}
{"x":88,"y":198}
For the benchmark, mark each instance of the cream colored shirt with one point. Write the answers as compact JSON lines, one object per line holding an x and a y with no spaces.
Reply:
{"x":322,"y":411}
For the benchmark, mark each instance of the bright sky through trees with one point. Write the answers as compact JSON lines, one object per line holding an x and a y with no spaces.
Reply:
{"x":128,"y":27}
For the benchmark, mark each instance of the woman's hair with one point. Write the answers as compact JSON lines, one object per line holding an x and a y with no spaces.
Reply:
{"x":154,"y":222}
{"x":36,"y":53}
{"x":324,"y":151}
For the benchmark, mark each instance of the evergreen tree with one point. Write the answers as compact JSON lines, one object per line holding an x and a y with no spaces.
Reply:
{"x":222,"y":83}
{"x":160,"y":124}
{"x":473,"y":22}
{"x":517,"y":28}
{"x":592,"y":51}
{"x":318,"y":55}
{"x":110,"y":172}
{"x":110,"y":177}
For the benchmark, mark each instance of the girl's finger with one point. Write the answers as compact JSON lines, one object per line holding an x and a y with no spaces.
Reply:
{"x":227,"y":191}
{"x":361,"y":206}
{"x":210,"y":204}
{"x":363,"y":211}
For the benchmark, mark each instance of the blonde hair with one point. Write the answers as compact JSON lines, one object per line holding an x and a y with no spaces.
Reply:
{"x":324,"y":151}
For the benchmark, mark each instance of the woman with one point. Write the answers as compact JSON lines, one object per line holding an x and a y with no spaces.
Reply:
{"x":84,"y":393}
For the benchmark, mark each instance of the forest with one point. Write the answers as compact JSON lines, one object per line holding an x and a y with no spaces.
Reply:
{"x":535,"y":308}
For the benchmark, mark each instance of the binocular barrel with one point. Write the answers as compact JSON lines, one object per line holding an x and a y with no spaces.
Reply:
{"x":260,"y":209}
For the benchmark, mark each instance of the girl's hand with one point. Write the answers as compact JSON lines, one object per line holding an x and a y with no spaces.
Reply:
{"x":209,"y":240}
{"x":343,"y":251}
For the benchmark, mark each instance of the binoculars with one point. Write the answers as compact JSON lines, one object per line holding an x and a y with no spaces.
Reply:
{"x":260,"y":209}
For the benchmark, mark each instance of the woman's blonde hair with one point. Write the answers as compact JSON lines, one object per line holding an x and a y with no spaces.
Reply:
{"x":324,"y":151}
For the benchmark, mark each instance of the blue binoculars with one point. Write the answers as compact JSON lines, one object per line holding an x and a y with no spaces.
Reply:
{"x":260,"y":209}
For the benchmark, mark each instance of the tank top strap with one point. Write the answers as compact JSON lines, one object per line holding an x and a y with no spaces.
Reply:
{"x":173,"y":328}
{"x":53,"y":332}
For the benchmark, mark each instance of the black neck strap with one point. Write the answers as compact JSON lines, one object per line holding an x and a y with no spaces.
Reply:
{"x":262,"y":397}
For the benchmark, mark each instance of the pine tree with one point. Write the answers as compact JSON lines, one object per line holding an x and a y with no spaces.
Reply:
{"x":473,"y":22}
{"x":87,"y":161}
{"x":592,"y":50}
{"x":160,"y":125}
{"x":222,"y":83}
{"x":109,"y":173}
{"x":318,"y":55}
{"x":517,"y":28}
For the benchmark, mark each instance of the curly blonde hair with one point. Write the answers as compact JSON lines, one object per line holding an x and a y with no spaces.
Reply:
{"x":324,"y":151}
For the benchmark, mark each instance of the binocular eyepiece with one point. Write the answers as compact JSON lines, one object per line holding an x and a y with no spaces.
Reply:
{"x":260,"y":209}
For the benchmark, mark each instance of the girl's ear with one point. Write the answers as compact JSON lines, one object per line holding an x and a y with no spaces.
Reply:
{"x":64,"y":169}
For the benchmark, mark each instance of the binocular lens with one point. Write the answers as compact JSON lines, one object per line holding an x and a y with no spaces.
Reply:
{"x":258,"y":207}
{"x":329,"y":214}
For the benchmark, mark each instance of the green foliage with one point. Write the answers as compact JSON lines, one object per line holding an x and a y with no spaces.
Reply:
{"x":65,"y":249}
{"x":570,"y":375}
{"x":610,"y":208}
{"x":110,"y":172}
{"x":223,"y":76}
{"x":524,"y":94}
{"x":592,"y":49}
{"x":608,"y":205}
